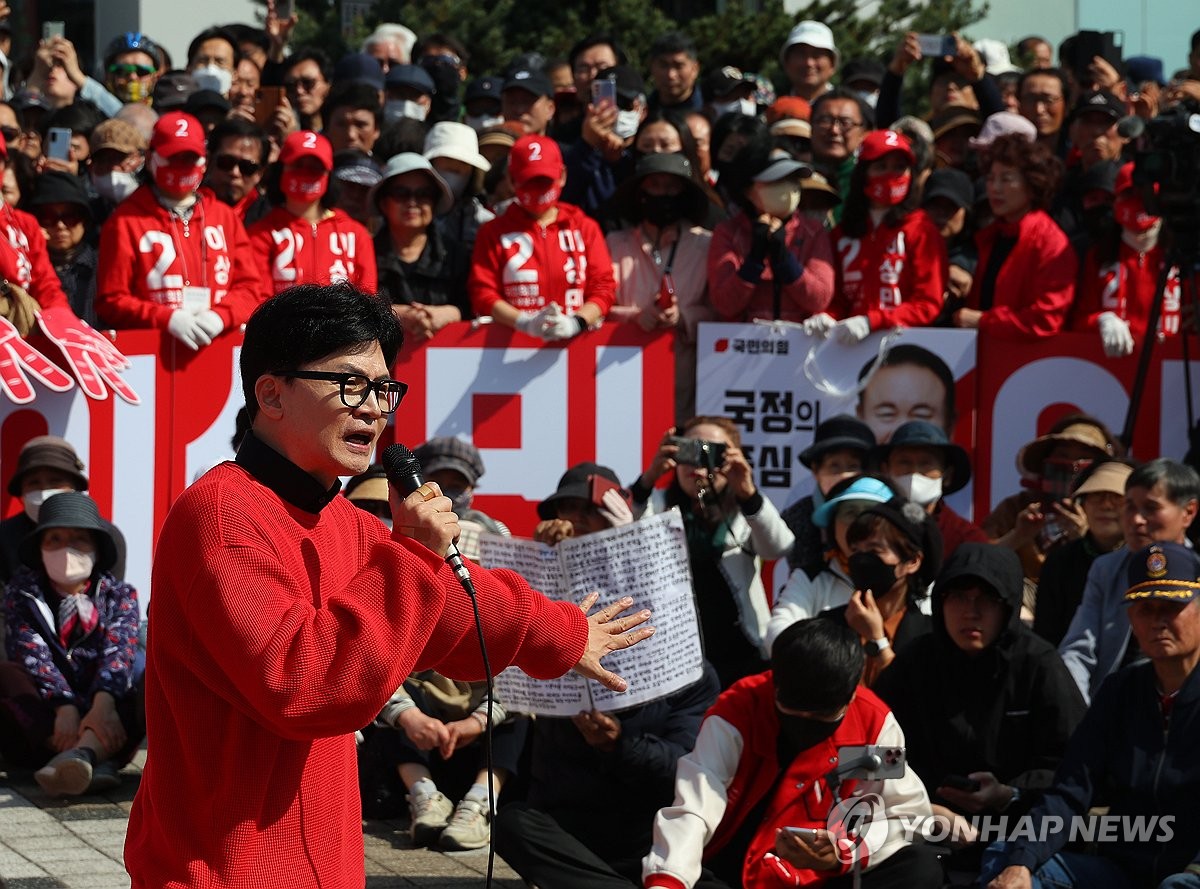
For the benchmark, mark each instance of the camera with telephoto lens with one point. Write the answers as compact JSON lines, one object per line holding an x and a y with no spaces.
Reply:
{"x":699,"y":452}
{"x":1168,"y":160}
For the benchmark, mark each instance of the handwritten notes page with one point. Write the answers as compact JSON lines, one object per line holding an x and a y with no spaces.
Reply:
{"x":647,"y":560}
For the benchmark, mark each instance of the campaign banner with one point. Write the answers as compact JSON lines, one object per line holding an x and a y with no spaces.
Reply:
{"x":778,"y":384}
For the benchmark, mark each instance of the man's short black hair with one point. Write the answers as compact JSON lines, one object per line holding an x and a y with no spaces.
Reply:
{"x":303,"y":324}
{"x":440,"y":38}
{"x":596,"y":40}
{"x":1180,"y":481}
{"x":250,"y":34}
{"x":1047,"y":72}
{"x":311,"y":54}
{"x":239,"y":128}
{"x":356,"y":97}
{"x":80,"y":117}
{"x":671,"y":43}
{"x":817,"y":664}
{"x":215,"y":33}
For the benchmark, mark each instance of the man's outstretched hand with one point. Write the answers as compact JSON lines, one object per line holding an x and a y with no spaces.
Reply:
{"x":607,"y":632}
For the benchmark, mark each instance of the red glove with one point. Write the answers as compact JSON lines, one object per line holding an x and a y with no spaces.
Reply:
{"x":16,"y":354}
{"x":94,"y":360}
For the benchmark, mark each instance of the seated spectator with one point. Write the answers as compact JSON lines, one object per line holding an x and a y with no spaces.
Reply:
{"x":810,"y":59}
{"x":65,"y":215}
{"x":1161,"y":498}
{"x":1042,"y":515}
{"x":838,"y":451}
{"x":421,"y":268}
{"x":891,"y":261}
{"x":453,"y":151}
{"x":896,"y":552}
{"x":981,"y":697}
{"x":157,"y":269}
{"x":1100,"y":492}
{"x":768,"y":261}
{"x":761,"y":763}
{"x":116,"y":157}
{"x":47,"y":465}
{"x":910,"y":383}
{"x":571,"y":512}
{"x":456,"y":465}
{"x":131,"y":67}
{"x":1140,"y":729}
{"x":1120,"y":279}
{"x":541,"y":267}
{"x":306,"y":239}
{"x":239,"y":151}
{"x":948,"y":200}
{"x":926,"y":466}
{"x":659,"y":261}
{"x":675,"y":70}
{"x":823,"y":582}
{"x":68,"y":703}
{"x":731,"y":527}
{"x":1026,"y":278}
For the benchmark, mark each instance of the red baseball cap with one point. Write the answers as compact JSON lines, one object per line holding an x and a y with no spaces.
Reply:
{"x":534,"y":156}
{"x":880,"y":142}
{"x":306,"y":143}
{"x":176,"y":133}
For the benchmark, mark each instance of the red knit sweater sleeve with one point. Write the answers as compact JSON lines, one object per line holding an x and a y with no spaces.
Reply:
{"x":812,"y":291}
{"x":729,"y":293}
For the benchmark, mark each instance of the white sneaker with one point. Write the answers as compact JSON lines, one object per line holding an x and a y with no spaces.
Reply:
{"x":468,"y":829}
{"x":430,"y":813}
{"x":67,"y":774}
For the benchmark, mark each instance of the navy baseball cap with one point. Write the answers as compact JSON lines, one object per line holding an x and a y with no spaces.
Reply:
{"x":358,"y":67}
{"x":410,"y":75}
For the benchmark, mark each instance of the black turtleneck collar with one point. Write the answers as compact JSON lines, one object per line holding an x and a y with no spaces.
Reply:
{"x":283,"y":476}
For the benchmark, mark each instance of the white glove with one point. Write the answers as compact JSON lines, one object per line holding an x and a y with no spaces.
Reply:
{"x":185,"y":327}
{"x":1115,"y":335}
{"x":532,"y":323}
{"x":819,"y":324}
{"x":559,"y":325}
{"x":852,"y":330}
{"x":615,"y":509}
{"x":210,"y":322}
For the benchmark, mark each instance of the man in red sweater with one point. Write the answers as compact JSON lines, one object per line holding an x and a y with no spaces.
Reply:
{"x":284,"y":617}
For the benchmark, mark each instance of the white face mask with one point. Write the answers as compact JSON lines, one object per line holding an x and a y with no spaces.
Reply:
{"x":397,"y":109}
{"x":67,"y":565}
{"x":745,"y":106}
{"x":480,"y":122}
{"x":34,"y":499}
{"x":457,"y":183}
{"x":779,"y":199}
{"x":869,"y":98}
{"x":627,"y":123}
{"x":920,"y":489}
{"x":115,"y":185}
{"x":210,"y":77}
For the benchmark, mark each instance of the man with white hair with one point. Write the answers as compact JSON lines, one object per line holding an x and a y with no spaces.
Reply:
{"x":391,"y":44}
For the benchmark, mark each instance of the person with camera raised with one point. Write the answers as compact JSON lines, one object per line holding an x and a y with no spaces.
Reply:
{"x":730,"y":527}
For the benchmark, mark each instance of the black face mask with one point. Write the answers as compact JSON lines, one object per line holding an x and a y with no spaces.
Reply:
{"x":869,"y":572}
{"x":799,"y":733}
{"x":659,"y":209}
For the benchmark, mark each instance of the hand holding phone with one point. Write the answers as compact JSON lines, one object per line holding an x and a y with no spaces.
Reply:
{"x":808,"y":834}
{"x":937,"y":45}
{"x":50,"y":30}
{"x":58,"y":144}
{"x":604,"y":93}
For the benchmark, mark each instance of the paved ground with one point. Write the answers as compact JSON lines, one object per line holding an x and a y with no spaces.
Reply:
{"x":47,"y":843}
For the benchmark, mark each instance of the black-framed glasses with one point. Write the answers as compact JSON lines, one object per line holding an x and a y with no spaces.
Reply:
{"x":355,"y":387}
{"x":226,"y":162}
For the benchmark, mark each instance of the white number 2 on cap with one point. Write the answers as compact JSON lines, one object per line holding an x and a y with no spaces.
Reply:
{"x":535,"y":151}
{"x":181,"y":126}
{"x":310,"y":140}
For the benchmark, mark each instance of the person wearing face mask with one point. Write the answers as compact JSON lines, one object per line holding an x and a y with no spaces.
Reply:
{"x":409,"y":93}
{"x":896,"y":552}
{"x":892,"y":262}
{"x":761,"y":764}
{"x":69,"y":704}
{"x":926,"y":466}
{"x":981,"y":697}
{"x":173,"y":256}
{"x":604,"y":156}
{"x":131,"y":67}
{"x":456,"y":465}
{"x":213,"y":56}
{"x":47,"y":465}
{"x":731,"y":529}
{"x":768,"y":261}
{"x":1119,"y":284}
{"x":823,"y":582}
{"x":481,"y":103}
{"x":729,"y":91}
{"x":306,"y":239}
{"x":658,"y":262}
{"x":541,"y":267}
{"x":453,"y":150}
{"x":117,"y":155}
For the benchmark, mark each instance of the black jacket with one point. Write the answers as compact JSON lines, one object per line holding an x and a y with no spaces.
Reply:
{"x":78,"y":278}
{"x":437,"y":278}
{"x":1060,"y":586}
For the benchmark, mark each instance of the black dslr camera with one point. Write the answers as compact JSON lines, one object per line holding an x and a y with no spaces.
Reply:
{"x":1168,"y":160}
{"x":699,"y":452}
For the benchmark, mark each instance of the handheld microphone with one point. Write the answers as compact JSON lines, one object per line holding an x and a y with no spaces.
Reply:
{"x":404,"y":471}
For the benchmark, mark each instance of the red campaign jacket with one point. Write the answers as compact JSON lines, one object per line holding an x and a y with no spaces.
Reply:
{"x":25,"y":259}
{"x":896,"y":275}
{"x":737,"y":299}
{"x":1035,"y":286}
{"x":147,"y":258}
{"x":519,"y":262}
{"x":1128,"y":288}
{"x":289,"y":250}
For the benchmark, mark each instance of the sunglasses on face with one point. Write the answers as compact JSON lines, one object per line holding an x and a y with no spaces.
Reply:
{"x":69,"y":218}
{"x":9,"y":133}
{"x":130,"y":70}
{"x":404,"y":195}
{"x":226,"y":163}
{"x":308,"y":84}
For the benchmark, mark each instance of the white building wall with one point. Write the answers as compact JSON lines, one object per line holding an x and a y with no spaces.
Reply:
{"x":171,"y":23}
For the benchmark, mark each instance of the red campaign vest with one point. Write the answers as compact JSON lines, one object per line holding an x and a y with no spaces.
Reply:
{"x":560,"y":256}
{"x":193,"y":253}
{"x":1114,"y":295}
{"x":869,"y":284}
{"x":293,"y":251}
